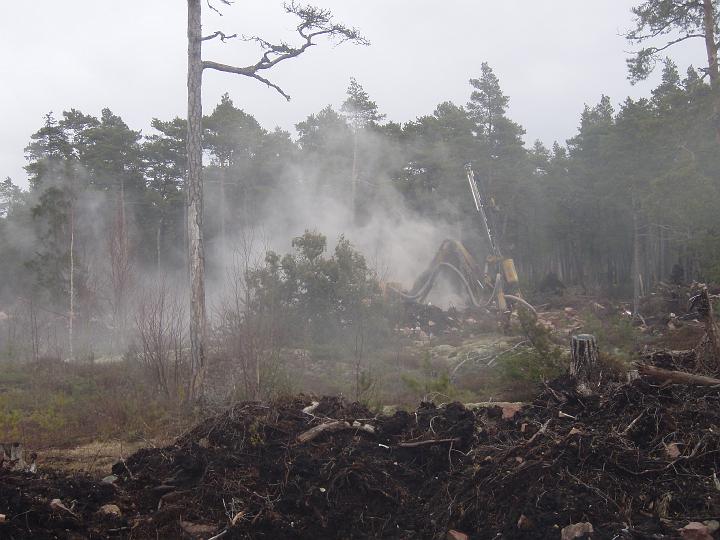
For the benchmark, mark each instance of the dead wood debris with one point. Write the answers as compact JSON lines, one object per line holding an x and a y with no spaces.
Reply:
{"x":637,"y":460}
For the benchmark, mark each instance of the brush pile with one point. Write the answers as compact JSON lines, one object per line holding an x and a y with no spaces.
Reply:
{"x":636,"y":460}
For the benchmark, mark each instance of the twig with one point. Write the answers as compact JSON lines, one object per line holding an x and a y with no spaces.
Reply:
{"x":539,"y":432}
{"x":219,"y":535}
{"x":428,"y":441}
{"x":632,"y":424}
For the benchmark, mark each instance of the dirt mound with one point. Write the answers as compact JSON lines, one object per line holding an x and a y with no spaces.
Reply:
{"x":247,"y":467}
{"x":638,"y":461}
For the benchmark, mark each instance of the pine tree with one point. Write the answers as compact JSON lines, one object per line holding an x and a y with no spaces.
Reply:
{"x":361,"y":112}
{"x":675,"y":21}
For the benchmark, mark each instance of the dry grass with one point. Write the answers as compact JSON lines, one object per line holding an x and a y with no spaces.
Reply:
{"x":95,"y":458}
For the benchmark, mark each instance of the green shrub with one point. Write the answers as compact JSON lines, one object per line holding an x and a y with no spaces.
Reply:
{"x":541,"y":358}
{"x":432,"y":383}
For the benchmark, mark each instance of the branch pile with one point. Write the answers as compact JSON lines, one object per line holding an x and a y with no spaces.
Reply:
{"x":637,"y":461}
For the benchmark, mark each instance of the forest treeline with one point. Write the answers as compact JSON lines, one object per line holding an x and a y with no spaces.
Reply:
{"x":636,"y":187}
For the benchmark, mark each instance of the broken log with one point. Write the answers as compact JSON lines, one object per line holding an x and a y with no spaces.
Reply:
{"x":584,"y":365}
{"x":676,"y":377}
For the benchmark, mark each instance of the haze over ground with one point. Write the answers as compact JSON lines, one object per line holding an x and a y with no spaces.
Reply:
{"x":551,"y":56}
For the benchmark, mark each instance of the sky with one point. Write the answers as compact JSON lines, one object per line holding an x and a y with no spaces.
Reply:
{"x":551,"y":56}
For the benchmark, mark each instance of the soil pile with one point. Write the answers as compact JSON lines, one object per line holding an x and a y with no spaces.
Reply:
{"x":637,"y":461}
{"x":246,"y":469}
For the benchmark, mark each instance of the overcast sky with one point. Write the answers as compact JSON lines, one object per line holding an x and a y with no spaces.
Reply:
{"x":552,"y":56}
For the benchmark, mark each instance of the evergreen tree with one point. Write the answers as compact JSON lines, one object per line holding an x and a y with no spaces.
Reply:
{"x":360,"y":112}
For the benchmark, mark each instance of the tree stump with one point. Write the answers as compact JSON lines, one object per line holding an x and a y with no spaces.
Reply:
{"x":11,"y":456}
{"x":584,"y":365}
{"x":707,"y":352}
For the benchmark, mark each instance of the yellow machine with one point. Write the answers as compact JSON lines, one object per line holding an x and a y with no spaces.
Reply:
{"x":496,"y":284}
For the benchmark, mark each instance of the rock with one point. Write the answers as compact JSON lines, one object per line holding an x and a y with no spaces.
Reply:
{"x":712,"y":525}
{"x":576,"y":530}
{"x":695,"y":531}
{"x":56,"y":505}
{"x":510,"y":410}
{"x":525,"y":523}
{"x":197,"y":530}
{"x":110,"y":479}
{"x":672,"y":450}
{"x":570,"y":311}
{"x":110,"y":510}
{"x":456,"y":535}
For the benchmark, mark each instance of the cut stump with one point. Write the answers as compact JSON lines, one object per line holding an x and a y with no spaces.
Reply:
{"x":584,"y":365}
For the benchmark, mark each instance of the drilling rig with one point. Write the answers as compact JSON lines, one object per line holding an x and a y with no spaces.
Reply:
{"x":492,"y":286}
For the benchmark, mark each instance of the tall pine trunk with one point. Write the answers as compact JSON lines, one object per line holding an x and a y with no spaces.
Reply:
{"x":71,"y":336}
{"x":158,"y":243}
{"x":223,"y":210}
{"x":636,"y":263}
{"x":354,"y":179}
{"x":196,"y":254}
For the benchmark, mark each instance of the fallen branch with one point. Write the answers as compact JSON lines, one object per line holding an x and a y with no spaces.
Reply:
{"x":331,"y":427}
{"x":676,"y":377}
{"x":522,"y":302}
{"x":311,"y":408}
{"x":428,"y":441}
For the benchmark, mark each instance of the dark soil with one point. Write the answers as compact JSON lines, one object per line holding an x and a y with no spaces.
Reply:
{"x":636,"y":461}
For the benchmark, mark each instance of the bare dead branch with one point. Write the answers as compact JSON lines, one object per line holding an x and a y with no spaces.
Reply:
{"x":656,"y":50}
{"x":244,"y":71}
{"x":223,"y":37}
{"x":415,"y":444}
{"x":331,"y":427}
{"x":216,"y":10}
{"x":314,"y":23}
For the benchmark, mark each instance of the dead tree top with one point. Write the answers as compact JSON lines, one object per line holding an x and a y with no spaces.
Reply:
{"x":314,"y":23}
